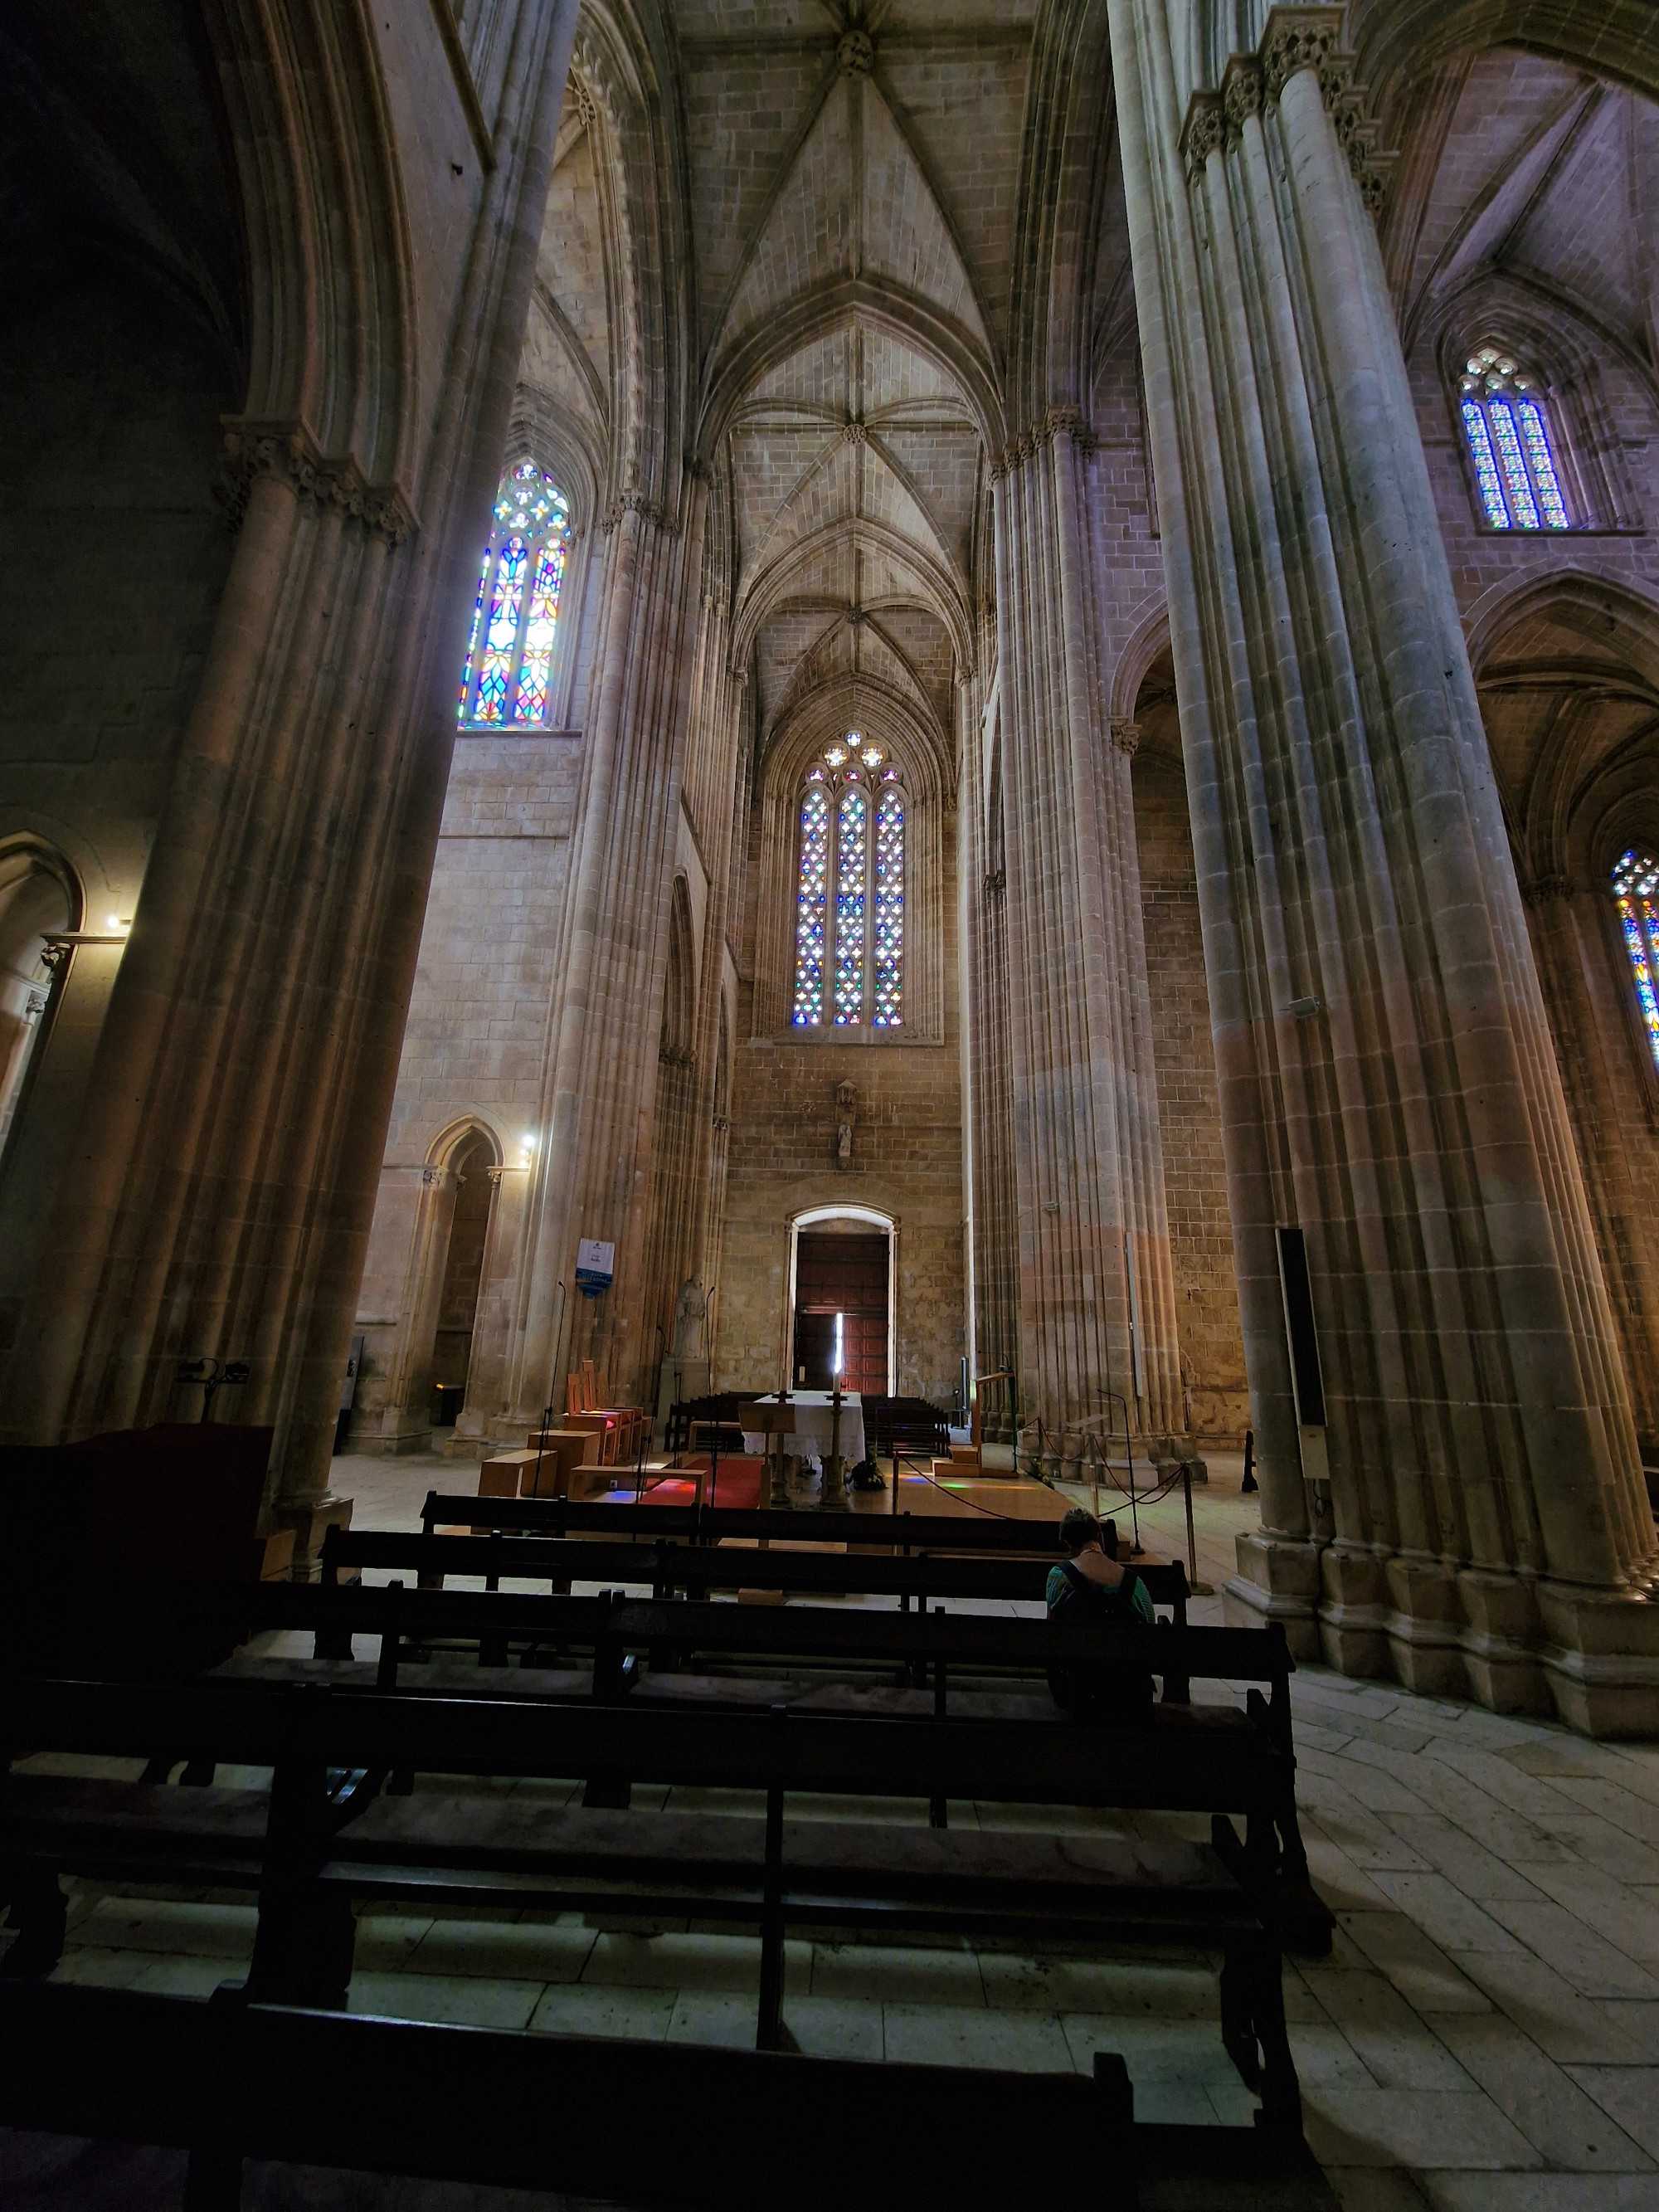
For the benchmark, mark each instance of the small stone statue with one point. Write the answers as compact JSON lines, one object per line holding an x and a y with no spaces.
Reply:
{"x":688,"y":1319}
{"x":845,"y":1097}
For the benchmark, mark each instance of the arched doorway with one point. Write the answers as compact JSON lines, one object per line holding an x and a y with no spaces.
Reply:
{"x":843,"y":1271}
{"x":458,"y":1300}
{"x":37,"y":899}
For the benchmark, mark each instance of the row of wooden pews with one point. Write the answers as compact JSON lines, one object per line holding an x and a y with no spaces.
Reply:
{"x":373,"y":1754}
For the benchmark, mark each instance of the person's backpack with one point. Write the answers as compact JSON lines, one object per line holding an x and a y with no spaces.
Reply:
{"x":1098,"y":1688}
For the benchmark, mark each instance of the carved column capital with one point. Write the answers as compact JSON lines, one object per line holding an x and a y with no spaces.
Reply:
{"x":1242,"y":94}
{"x":289,"y":451}
{"x":1296,"y":39}
{"x":631,"y":502}
{"x":1126,"y":736}
{"x":1204,"y":131}
{"x":1538,"y":888}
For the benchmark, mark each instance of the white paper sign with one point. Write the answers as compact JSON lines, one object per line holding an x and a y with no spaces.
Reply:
{"x":595,"y":1265}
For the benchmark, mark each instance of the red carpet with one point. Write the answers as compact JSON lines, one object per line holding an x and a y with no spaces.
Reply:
{"x":738,"y":1484}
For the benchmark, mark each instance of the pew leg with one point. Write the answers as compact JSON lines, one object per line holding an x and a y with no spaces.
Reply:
{"x":213,"y":2181}
{"x":39,"y":1913}
{"x":197,"y":1775}
{"x":1281,"y":2093}
{"x":768,"y":2027}
{"x":1238,"y":2016}
{"x":303,"y":1948}
{"x":608,"y":1793}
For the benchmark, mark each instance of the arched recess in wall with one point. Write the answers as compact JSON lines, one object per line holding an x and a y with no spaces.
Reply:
{"x":462,"y":1177}
{"x":819,"y":1225}
{"x":39,"y":900}
{"x":1567,"y":667}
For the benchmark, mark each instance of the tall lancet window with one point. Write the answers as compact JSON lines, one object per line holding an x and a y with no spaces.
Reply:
{"x":1636,"y":890}
{"x":849,"y":893}
{"x":509,"y":656}
{"x":1507,"y":425}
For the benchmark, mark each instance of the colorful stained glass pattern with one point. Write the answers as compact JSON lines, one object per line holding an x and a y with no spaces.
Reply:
{"x":1485,"y":464}
{"x":888,"y":994}
{"x":511,"y":679}
{"x":528,"y":499}
{"x":810,"y":899}
{"x":501,"y":632}
{"x":1522,"y":505}
{"x":1509,"y":437}
{"x":472,"y":635}
{"x":531,"y":704}
{"x":1636,"y":889}
{"x":1536,"y":437}
{"x":851,"y":831}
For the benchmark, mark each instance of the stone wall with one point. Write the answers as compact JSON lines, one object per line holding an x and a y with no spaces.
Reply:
{"x":112,"y":559}
{"x":472,"y":1053}
{"x":907,"y":1163}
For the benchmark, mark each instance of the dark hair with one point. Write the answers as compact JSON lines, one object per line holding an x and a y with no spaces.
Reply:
{"x":1078,"y":1529}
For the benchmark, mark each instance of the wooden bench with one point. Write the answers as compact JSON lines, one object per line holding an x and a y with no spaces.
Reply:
{"x":962,"y":1663}
{"x":317,"y":1857}
{"x":907,"y":1531}
{"x":745,"y":2131}
{"x":696,"y":1568}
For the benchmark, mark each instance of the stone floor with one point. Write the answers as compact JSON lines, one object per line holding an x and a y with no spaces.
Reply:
{"x":1485,"y":2037}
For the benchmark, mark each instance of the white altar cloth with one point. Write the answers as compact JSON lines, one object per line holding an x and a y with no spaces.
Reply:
{"x":810,"y":1437}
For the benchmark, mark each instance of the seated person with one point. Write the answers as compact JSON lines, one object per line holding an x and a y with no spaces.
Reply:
{"x":1090,"y":1586}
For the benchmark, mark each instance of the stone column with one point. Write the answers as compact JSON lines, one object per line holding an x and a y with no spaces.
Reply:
{"x":592,"y":1172}
{"x":227,"y":1157}
{"x":1584,"y":976}
{"x":1472,"y":1515}
{"x":1097,"y":1287}
{"x":988,"y":1114}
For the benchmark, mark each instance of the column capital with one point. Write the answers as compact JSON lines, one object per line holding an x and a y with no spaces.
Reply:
{"x":1295,"y":39}
{"x":289,"y":451}
{"x":1126,"y":736}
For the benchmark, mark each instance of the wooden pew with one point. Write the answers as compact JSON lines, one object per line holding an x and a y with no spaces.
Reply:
{"x":700,"y":1567}
{"x":906,"y":1532}
{"x":772,"y":1874}
{"x":229,"y":2081}
{"x":936,"y":1649}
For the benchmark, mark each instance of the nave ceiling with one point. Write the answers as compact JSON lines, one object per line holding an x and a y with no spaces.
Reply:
{"x":786,"y":239}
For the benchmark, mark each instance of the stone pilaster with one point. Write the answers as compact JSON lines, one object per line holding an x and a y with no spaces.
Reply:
{"x":1471,"y":1501}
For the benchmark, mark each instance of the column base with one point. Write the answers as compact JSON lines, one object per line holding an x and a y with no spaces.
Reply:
{"x":310,"y":1519}
{"x":1509,"y":1641}
{"x":1602,"y":1664}
{"x":1277,"y":1579}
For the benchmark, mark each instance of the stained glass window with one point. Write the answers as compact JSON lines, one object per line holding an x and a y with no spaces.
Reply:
{"x":850,"y":899}
{"x":509,"y":655}
{"x":810,"y":907}
{"x":889,"y":909}
{"x":850,"y":883}
{"x":1636,"y":891}
{"x":1509,"y":439}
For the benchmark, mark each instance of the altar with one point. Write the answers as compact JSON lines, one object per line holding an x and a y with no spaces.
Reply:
{"x":810,"y":1438}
